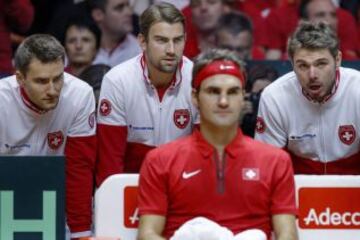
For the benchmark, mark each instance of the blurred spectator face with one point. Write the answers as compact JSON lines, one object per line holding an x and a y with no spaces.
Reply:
{"x":206,"y":13}
{"x":117,"y":17}
{"x":322,"y":10}
{"x":80,"y":45}
{"x":259,"y":85}
{"x":240,"y":43}
{"x":164,"y":46}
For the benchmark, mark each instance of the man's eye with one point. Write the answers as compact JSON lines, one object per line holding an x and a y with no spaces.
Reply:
{"x":41,"y":81}
{"x":178,"y":40}
{"x":302,"y":66}
{"x":233,"y":91}
{"x":321,"y":64}
{"x":59,"y":78}
{"x":161,"y":40}
{"x":212,"y":91}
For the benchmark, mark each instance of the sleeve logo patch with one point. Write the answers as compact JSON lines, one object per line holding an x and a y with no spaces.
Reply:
{"x":105,"y":107}
{"x":92,"y":119}
{"x":260,"y":125}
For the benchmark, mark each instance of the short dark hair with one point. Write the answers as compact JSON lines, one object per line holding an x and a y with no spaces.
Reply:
{"x":43,"y":47}
{"x":260,"y":71}
{"x":162,"y":12}
{"x":100,"y":4}
{"x":313,"y":36}
{"x":211,"y":55}
{"x":234,"y":23}
{"x":83,"y":23}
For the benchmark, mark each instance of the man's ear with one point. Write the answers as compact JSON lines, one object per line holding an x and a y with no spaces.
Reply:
{"x":97,"y":14}
{"x":142,"y":41}
{"x":20,"y":78}
{"x":195,"y":98}
{"x":338,"y":59}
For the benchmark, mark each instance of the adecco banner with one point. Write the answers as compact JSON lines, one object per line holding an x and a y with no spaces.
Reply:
{"x":32,"y":198}
{"x":329,"y":207}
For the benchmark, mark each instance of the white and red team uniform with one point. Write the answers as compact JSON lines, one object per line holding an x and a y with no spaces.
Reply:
{"x":134,"y":116}
{"x":323,"y":138}
{"x":185,"y":179}
{"x":68,"y":130}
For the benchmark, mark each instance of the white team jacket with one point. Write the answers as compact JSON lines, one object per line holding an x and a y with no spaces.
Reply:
{"x":129,"y":99}
{"x":68,"y":129}
{"x":322,"y":132}
{"x":26,"y":132}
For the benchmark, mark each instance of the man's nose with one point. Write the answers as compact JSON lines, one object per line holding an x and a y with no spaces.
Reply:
{"x":78,"y":44}
{"x":223,"y":100}
{"x":170,"y":48}
{"x":53,"y":89}
{"x":312,"y":72}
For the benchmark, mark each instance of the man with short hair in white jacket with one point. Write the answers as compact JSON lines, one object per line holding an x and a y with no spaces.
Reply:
{"x":45,"y":111}
{"x":146,"y":101}
{"x":313,"y":112}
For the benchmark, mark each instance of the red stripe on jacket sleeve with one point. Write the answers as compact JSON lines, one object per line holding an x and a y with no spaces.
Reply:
{"x":80,"y":153}
{"x":112,"y":145}
{"x":343,"y":166}
{"x":135,"y":155}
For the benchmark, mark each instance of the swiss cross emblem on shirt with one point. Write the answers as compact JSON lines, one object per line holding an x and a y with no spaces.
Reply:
{"x":260,"y":125}
{"x":55,"y":139}
{"x":347,"y":134}
{"x":251,"y":174}
{"x":181,"y":118}
{"x":105,"y":107}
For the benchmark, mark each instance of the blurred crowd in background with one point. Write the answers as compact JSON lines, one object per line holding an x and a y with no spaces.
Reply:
{"x":99,"y":34}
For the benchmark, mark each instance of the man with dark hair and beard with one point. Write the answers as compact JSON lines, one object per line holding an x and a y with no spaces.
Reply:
{"x":313,"y":111}
{"x":146,"y":101}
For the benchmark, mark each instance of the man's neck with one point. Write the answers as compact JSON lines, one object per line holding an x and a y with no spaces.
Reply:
{"x":158,"y":78}
{"x":218,"y":137}
{"x":76,"y":69}
{"x":109,"y":42}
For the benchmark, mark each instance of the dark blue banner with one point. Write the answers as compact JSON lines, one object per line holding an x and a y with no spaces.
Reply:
{"x":32,"y":198}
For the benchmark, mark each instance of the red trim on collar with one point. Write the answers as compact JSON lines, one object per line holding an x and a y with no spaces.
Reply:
{"x":28,"y":103}
{"x":173,"y":82}
{"x":332,"y":93}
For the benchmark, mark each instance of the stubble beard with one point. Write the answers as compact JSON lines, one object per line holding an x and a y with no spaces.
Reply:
{"x":168,"y":69}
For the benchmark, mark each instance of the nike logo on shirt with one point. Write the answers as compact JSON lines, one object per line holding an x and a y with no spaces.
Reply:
{"x":187,"y":175}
